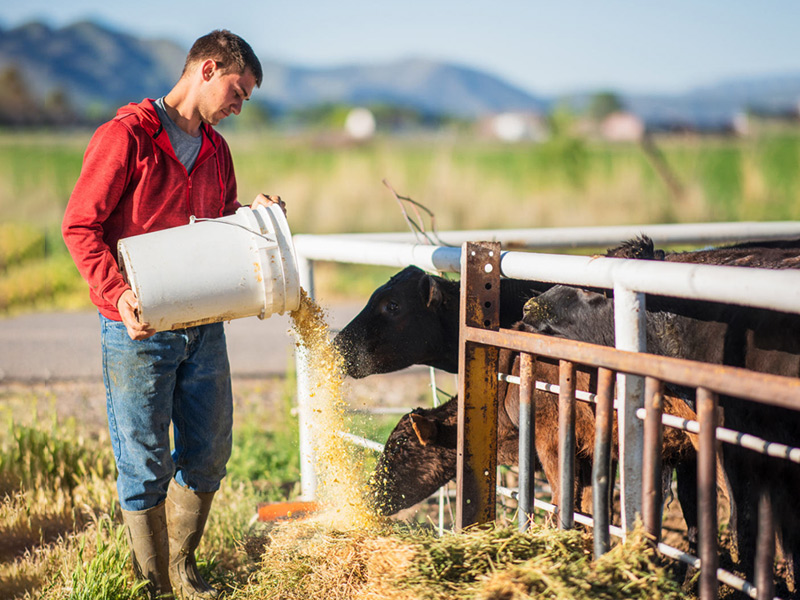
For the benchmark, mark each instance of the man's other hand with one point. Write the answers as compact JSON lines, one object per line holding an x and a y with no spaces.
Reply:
{"x":128,"y":307}
{"x":265,"y":200}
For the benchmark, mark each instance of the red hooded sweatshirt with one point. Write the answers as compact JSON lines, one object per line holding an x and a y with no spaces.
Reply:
{"x":131,"y":182}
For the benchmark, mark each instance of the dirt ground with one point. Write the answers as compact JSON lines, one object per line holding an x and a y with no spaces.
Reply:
{"x":83,"y":402}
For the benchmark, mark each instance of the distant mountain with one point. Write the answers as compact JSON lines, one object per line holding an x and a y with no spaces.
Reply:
{"x":99,"y":68}
{"x":715,"y":105}
{"x":425,"y":85}
{"x":93,"y":65}
{"x":96,"y":65}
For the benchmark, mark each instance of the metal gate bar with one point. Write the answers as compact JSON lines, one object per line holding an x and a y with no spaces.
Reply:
{"x":527,"y":440}
{"x":774,"y":390}
{"x":602,"y":488}
{"x":566,"y":443}
{"x":707,"y":493}
{"x":651,"y":466}
{"x":476,"y":449}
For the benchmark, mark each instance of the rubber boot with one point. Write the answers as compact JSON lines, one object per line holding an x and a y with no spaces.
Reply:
{"x":147,"y":537}
{"x":187,"y":512}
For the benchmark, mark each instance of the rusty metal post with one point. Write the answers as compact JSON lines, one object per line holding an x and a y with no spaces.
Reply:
{"x":651,"y":475}
{"x":476,"y":452}
{"x":765,"y":546}
{"x":707,"y":493}
{"x":601,"y":469}
{"x":527,"y":441}
{"x":566,"y":447}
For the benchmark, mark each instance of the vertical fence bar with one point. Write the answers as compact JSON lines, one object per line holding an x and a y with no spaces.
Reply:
{"x":601,"y":469}
{"x":566,"y":447}
{"x":442,"y":490}
{"x":651,"y":474}
{"x":707,"y":493}
{"x":629,"y":326}
{"x":476,"y":449}
{"x":305,"y":413}
{"x":527,"y":440}
{"x":765,"y":546}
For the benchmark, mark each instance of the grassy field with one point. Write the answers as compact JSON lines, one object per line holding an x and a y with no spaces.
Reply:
{"x":467,"y":183}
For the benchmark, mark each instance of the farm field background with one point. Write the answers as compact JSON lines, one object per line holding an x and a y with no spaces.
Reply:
{"x":332,"y":187}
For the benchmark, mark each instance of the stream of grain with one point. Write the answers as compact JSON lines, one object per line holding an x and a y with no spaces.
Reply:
{"x":340,"y":480}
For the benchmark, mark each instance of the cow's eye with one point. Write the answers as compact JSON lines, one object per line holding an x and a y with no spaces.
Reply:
{"x":392,"y":306}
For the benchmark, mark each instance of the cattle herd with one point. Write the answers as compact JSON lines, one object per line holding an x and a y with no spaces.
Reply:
{"x":414,"y":319}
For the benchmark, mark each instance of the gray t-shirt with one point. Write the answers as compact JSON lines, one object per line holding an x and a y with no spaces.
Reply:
{"x":186,"y":146}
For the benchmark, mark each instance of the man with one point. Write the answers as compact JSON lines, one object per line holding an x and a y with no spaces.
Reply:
{"x":153,"y":166}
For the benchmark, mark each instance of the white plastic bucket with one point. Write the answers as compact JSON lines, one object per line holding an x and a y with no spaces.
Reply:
{"x":213,"y":269}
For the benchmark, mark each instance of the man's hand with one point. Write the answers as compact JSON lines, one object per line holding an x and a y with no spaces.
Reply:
{"x":265,"y":200}
{"x":128,"y":305}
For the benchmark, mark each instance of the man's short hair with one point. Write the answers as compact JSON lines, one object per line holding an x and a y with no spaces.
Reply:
{"x":230,"y":52}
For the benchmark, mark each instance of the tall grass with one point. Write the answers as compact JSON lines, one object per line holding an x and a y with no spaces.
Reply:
{"x":100,"y":570}
{"x":60,"y":529}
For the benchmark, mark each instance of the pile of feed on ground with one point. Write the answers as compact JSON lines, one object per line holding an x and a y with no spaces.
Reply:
{"x":309,"y":559}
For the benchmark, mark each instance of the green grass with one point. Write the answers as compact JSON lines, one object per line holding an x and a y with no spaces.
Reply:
{"x":467,"y":183}
{"x":51,"y":458}
{"x":104,"y":575}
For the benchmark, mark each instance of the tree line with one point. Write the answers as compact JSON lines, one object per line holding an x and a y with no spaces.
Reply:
{"x":20,"y":107}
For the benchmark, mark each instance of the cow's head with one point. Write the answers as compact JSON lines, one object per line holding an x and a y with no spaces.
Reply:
{"x":571,"y":313}
{"x":418,"y":459}
{"x":406,"y":322}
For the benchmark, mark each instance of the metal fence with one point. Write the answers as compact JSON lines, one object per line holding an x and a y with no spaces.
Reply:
{"x":630,"y":280}
{"x":477,"y":423}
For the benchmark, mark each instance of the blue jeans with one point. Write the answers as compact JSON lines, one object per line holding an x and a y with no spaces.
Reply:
{"x":180,"y":376}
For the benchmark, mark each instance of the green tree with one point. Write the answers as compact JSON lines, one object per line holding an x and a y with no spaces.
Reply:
{"x":603,"y":104}
{"x":17,"y":104}
{"x":58,"y":108}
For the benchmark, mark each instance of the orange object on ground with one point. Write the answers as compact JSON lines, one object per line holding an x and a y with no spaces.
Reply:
{"x":277,"y":511}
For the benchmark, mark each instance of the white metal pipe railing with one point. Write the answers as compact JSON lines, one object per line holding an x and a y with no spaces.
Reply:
{"x":630,"y":334}
{"x":749,"y":287}
{"x":594,"y":237}
{"x":305,"y":415}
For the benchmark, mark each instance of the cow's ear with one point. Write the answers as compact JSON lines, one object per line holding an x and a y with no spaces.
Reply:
{"x":431,"y":291}
{"x":424,"y":427}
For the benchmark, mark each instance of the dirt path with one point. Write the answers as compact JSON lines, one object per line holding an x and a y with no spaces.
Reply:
{"x":66,"y":346}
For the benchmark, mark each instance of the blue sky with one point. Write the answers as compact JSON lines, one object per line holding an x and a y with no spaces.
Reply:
{"x":552,"y":47}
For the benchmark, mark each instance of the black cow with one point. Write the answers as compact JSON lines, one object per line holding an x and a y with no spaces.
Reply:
{"x":757,"y":339}
{"x":413,"y":320}
{"x":776,"y":254}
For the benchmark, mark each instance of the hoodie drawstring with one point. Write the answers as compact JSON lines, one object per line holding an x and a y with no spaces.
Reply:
{"x":221,"y":188}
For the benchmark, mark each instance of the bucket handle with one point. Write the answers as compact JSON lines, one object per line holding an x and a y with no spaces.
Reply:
{"x":193,"y":219}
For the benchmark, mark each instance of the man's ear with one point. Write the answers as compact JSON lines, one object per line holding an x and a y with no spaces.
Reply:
{"x":207,"y":68}
{"x":431,"y":291}
{"x":424,"y":427}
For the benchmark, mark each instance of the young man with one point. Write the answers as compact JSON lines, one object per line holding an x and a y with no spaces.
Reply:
{"x":153,"y":166}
